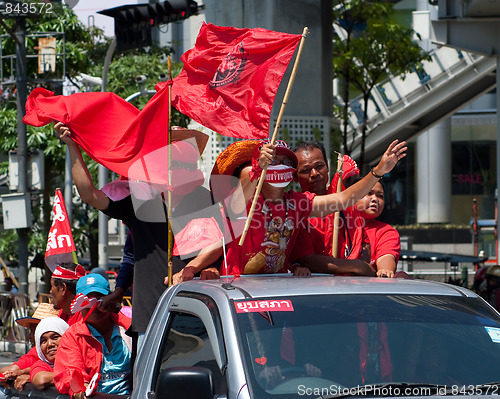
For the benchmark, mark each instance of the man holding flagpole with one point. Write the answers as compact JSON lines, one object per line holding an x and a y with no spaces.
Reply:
{"x":317,"y":236}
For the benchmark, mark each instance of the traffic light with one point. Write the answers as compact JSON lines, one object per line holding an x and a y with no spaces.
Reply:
{"x":133,"y":23}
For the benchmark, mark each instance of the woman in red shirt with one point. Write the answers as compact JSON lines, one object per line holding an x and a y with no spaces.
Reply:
{"x":47,"y":336}
{"x":384,"y":239}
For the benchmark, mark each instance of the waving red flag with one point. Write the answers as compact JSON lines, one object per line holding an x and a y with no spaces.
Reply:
{"x":230,"y":79}
{"x":112,"y":131}
{"x":60,"y":244}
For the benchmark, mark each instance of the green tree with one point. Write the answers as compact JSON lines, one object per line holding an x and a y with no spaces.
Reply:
{"x":372,"y":46}
{"x":82,"y":46}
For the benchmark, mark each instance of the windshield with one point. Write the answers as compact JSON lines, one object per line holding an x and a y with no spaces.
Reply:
{"x":323,"y":344}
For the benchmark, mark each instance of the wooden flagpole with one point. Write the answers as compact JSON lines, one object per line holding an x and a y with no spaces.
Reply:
{"x":336,"y":217}
{"x":275,"y":134}
{"x":169,"y":194}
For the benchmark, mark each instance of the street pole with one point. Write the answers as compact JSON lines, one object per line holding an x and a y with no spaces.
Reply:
{"x":103,"y":175}
{"x":68,"y":186}
{"x":22,"y":147}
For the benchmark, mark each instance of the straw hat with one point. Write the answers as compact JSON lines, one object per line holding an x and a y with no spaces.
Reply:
{"x":180,"y":133}
{"x":233,"y":156}
{"x":41,"y":312}
{"x":226,"y":163}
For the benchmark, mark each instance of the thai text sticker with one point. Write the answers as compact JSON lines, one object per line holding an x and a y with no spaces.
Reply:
{"x":264,"y":306}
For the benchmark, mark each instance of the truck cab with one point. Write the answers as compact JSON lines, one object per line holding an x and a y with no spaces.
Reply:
{"x":284,"y":336}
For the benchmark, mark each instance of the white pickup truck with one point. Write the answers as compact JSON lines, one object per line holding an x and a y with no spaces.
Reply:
{"x":316,"y":337}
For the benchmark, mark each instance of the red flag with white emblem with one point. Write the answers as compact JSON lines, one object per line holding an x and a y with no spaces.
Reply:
{"x":230,"y":78}
{"x":60,"y":244}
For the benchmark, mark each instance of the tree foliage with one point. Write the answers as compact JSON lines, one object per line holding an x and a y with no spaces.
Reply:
{"x":372,"y":46}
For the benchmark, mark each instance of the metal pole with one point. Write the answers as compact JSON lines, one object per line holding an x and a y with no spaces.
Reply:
{"x":103,"y":225}
{"x":103,"y":175}
{"x":68,"y":186}
{"x":22,"y":147}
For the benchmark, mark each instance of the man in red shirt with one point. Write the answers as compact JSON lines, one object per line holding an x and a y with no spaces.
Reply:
{"x":313,"y":176}
{"x":63,"y":290}
{"x":358,"y":227}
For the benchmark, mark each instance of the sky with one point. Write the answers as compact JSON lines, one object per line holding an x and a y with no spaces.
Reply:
{"x":88,"y":8}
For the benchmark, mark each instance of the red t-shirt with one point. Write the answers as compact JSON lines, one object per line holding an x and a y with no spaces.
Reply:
{"x":271,"y":236}
{"x":384,"y":239}
{"x":27,"y":360}
{"x":70,"y":319}
{"x":317,"y":236}
{"x":38,"y":366}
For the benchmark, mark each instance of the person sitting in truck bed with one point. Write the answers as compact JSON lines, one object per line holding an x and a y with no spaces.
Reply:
{"x":384,"y":239}
{"x":96,"y":345}
{"x":47,"y":336}
{"x":18,"y":373}
{"x":63,"y":289}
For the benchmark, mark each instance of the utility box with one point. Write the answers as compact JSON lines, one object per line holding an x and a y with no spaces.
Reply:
{"x":35,"y":173}
{"x":16,"y":209}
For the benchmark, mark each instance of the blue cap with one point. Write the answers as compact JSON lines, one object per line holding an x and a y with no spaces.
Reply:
{"x":92,"y":282}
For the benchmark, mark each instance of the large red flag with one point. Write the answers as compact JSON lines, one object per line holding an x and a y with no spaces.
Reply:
{"x":112,"y":131}
{"x":60,"y":244}
{"x":230,"y":79}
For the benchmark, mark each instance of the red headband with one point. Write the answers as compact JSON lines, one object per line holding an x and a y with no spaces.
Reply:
{"x":61,"y":272}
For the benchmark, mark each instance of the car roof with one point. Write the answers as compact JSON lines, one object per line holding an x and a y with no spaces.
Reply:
{"x":269,"y":286}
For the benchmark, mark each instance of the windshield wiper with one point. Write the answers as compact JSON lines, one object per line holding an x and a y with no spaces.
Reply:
{"x":389,"y":389}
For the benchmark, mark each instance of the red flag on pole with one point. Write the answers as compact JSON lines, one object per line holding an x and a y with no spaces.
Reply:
{"x":230,"y":79}
{"x":60,"y":244}
{"x":112,"y":131}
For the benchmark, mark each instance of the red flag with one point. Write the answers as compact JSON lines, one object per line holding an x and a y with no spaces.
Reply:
{"x":349,"y":167}
{"x":230,"y":79}
{"x":60,"y":244}
{"x":112,"y":131}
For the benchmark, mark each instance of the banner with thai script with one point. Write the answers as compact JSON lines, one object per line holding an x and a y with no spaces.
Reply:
{"x":60,"y":244}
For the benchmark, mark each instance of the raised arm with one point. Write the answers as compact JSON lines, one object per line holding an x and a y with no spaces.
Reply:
{"x":326,"y":204}
{"x":81,"y":176}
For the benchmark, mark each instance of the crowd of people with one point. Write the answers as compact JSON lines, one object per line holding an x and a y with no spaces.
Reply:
{"x":91,"y":345}
{"x":96,"y":346}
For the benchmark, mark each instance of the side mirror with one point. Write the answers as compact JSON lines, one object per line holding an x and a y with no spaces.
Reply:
{"x":185,"y":383}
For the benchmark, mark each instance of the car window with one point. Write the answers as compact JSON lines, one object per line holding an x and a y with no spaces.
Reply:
{"x":187,"y":344}
{"x":333,"y":342}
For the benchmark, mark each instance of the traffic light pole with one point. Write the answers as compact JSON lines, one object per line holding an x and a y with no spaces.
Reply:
{"x":103,"y":175}
{"x":22,"y":146}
